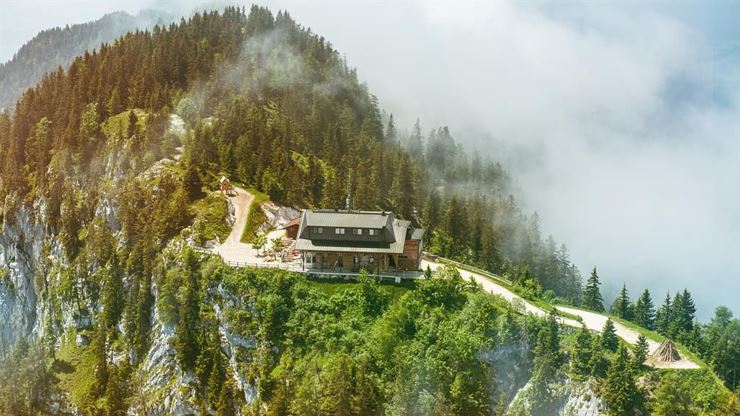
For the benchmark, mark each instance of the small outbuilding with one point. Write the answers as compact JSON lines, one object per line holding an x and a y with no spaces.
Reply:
{"x":224,"y":185}
{"x":291,"y":228}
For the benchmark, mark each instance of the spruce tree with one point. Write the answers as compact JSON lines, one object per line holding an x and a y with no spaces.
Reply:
{"x":115,"y":393}
{"x":591,"y":295}
{"x":186,"y":342}
{"x":621,"y":306}
{"x":684,"y":311}
{"x":112,"y":296}
{"x":132,"y":127}
{"x":663,"y":316}
{"x":640,"y":352}
{"x":598,"y":363}
{"x":225,"y":405}
{"x":621,"y":394}
{"x":192,"y":183}
{"x":99,"y":346}
{"x":644,"y":311}
{"x":609,"y":336}
{"x":582,"y":352}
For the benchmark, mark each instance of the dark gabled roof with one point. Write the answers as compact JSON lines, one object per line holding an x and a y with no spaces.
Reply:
{"x":349,"y":219}
{"x":398,"y":227}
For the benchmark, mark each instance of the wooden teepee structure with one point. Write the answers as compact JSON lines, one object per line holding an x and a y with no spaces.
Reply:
{"x":667,"y":352}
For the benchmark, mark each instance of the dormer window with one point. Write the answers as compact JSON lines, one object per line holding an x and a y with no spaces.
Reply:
{"x":357,"y":231}
{"x":339,"y":231}
{"x":372,"y":232}
{"x":319,"y":230}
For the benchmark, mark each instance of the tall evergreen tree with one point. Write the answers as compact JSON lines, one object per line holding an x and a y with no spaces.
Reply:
{"x":621,"y":394}
{"x":640,"y":352}
{"x":621,"y":306}
{"x":192,"y":183}
{"x":644,"y":311}
{"x":592,"y":295}
{"x":580,"y":361}
{"x":598,"y":363}
{"x":609,"y":338}
{"x":664,"y":316}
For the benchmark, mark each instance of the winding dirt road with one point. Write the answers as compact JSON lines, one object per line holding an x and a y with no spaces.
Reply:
{"x":232,"y":249}
{"x":591,"y":320}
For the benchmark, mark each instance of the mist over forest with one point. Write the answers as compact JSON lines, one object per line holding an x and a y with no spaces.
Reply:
{"x":616,"y":120}
{"x":548,"y":192}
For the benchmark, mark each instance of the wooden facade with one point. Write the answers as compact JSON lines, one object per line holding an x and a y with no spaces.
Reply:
{"x":350,"y":241}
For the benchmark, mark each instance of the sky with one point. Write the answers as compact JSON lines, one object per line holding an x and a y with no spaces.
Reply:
{"x":619,"y":120}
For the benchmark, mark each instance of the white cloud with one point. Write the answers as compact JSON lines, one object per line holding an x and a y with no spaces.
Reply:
{"x":619,"y":120}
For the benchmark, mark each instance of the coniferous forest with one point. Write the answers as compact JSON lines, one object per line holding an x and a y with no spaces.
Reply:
{"x":99,"y":196}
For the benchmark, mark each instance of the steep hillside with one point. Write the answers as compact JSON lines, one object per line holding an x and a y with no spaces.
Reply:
{"x":107,"y":166}
{"x":58,"y":47}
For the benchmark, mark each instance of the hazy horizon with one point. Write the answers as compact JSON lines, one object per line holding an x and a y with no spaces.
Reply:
{"x":618,"y":122}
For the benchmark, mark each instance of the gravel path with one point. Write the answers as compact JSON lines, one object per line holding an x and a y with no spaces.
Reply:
{"x":596,"y":322}
{"x":591,"y":320}
{"x":232,"y":249}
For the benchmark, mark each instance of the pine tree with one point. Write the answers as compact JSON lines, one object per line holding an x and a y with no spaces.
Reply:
{"x":391,"y":135}
{"x":598,"y":362}
{"x":115,"y":394}
{"x":112,"y":299}
{"x":644,"y":311}
{"x":621,"y":395}
{"x":217,"y":376}
{"x":582,"y":352}
{"x":132,"y":125}
{"x":621,"y":306}
{"x":192,"y":183}
{"x":609,"y":338}
{"x":225,"y":405}
{"x":684,"y":311}
{"x":186,"y":343}
{"x":664,"y":316}
{"x":543,"y":373}
{"x":101,"y":360}
{"x":591,"y":295}
{"x":640,"y":352}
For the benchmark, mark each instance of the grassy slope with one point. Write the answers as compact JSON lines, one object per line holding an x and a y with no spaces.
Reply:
{"x":118,"y":124}
{"x":210,"y":218}
{"x":649,"y":335}
{"x":332,"y":286}
{"x":75,"y":370}
{"x":256,"y":216}
{"x":540,"y":303}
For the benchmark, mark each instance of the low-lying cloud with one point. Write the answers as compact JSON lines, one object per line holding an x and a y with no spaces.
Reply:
{"x":619,"y":121}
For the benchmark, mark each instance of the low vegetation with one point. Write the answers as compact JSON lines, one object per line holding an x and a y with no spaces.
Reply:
{"x":256,"y":216}
{"x":211,"y":219}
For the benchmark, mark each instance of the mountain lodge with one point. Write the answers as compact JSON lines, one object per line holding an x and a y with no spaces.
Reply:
{"x":350,"y":240}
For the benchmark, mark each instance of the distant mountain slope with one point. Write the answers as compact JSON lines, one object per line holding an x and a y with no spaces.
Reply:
{"x":59,"y":46}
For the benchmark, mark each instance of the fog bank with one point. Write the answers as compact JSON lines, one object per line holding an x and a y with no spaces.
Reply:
{"x":620,"y":122}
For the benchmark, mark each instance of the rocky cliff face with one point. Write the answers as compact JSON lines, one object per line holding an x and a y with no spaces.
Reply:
{"x":21,"y":243}
{"x":568,"y":398}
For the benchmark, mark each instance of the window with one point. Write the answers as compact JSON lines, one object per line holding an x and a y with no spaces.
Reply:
{"x":339,"y":231}
{"x":357,"y":231}
{"x":371,"y":232}
{"x":356,"y":260}
{"x":319,"y":230}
